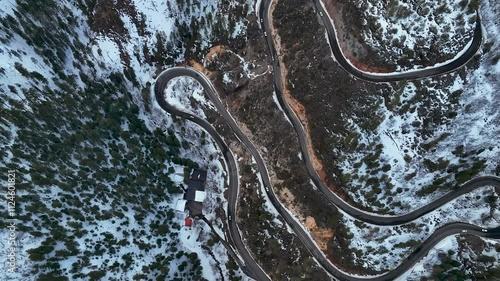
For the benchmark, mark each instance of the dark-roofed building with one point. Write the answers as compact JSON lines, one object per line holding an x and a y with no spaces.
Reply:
{"x":195,"y":193}
{"x":196,"y":185}
{"x":199,"y":175}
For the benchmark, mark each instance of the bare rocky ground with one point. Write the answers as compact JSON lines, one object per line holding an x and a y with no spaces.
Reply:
{"x":325,"y":90}
{"x":327,"y":93}
{"x":250,"y":101}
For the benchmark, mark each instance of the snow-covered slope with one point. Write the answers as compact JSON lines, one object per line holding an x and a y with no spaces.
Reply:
{"x":98,"y":165}
{"x":385,"y":247}
{"x":415,"y":32}
{"x":429,"y":136}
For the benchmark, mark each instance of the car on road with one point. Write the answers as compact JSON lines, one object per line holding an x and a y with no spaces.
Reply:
{"x":246,"y":271}
{"x":320,"y":14}
{"x":265,"y":33}
{"x":464,"y":231}
{"x":484,"y":230}
{"x":229,"y":218}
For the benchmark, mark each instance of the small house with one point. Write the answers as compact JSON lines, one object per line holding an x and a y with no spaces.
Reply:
{"x":195,"y":194}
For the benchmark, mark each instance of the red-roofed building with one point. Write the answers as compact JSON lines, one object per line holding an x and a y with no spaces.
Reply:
{"x":188,"y":222}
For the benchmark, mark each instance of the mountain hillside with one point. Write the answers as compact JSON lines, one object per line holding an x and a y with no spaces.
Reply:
{"x":98,"y":167}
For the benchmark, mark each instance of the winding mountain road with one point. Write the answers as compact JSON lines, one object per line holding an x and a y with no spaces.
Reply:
{"x":247,"y":262}
{"x":304,"y":143}
{"x":450,"y":66}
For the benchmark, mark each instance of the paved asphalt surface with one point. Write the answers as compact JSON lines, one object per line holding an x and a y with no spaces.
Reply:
{"x":248,"y":264}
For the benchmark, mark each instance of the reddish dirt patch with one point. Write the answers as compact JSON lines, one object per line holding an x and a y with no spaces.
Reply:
{"x":320,"y":235}
{"x":215,"y":50}
{"x":361,"y":66}
{"x":198,"y":66}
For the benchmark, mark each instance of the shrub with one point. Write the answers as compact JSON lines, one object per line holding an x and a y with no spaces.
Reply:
{"x":96,"y":275}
